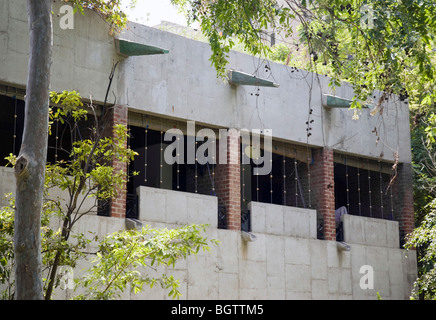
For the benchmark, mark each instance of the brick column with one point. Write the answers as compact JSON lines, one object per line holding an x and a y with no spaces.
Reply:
{"x":404,"y":199}
{"x":117,"y":115}
{"x":323,"y":189}
{"x":228,"y":181}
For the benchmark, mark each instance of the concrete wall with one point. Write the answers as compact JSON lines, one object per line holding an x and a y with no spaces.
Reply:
{"x":183,"y":85}
{"x":375,"y":242}
{"x":168,"y":206}
{"x":82,"y":57}
{"x":282,"y":221}
{"x":286,"y":261}
{"x":7,"y":183}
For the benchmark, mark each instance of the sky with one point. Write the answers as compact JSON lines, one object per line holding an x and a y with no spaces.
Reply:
{"x":151,"y":12}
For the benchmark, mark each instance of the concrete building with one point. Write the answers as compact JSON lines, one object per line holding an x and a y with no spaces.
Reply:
{"x":323,"y":162}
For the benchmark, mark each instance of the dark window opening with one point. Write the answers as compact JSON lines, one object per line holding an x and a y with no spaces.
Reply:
{"x":287,"y":183}
{"x":60,"y":141}
{"x":12,"y":113}
{"x":64,"y":134}
{"x":363,"y":192}
{"x":11,"y":123}
{"x":155,"y":172}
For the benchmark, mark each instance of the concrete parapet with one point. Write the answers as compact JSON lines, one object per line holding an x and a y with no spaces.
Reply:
{"x":282,"y":220}
{"x":175,"y":207}
{"x":371,"y":231}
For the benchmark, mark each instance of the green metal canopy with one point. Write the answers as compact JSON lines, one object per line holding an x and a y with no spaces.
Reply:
{"x":130,"y":48}
{"x":245,"y":79}
{"x":330,"y":101}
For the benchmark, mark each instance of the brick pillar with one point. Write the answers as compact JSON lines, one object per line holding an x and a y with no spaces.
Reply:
{"x":117,"y":115}
{"x":404,"y":199}
{"x":323,"y":189}
{"x":228,"y":182}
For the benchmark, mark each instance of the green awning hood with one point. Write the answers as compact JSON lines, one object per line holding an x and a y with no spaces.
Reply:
{"x":130,"y":48}
{"x":331,"y":101}
{"x":244,"y":79}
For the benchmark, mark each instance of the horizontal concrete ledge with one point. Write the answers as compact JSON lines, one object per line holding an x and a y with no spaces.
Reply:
{"x":330,"y":101}
{"x":129,"y":48}
{"x":245,"y":79}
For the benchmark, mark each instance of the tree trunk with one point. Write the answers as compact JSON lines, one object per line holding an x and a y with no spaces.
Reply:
{"x":65,"y":234}
{"x":30,"y":166}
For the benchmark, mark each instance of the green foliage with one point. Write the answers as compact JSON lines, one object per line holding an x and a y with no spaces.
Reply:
{"x":392,"y":51}
{"x":374,"y":45}
{"x":89,"y":161}
{"x":110,"y":11}
{"x":88,"y":173}
{"x":51,"y":243}
{"x":384,"y":45}
{"x":124,"y":259}
{"x":279,"y":53}
{"x":424,"y":170}
{"x":7,"y":249}
{"x":70,"y":102}
{"x":90,"y":158}
{"x":424,"y":237}
{"x":122,"y":255}
{"x":225,"y":23}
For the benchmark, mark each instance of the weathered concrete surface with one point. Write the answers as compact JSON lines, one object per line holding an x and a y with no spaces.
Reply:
{"x":283,"y":262}
{"x":183,"y":85}
{"x":82,"y":57}
{"x":168,"y":206}
{"x":7,"y":185}
{"x":286,"y":261}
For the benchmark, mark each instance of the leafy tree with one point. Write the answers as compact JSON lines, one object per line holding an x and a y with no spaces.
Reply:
{"x":424,"y":236}
{"x":424,"y":239}
{"x":51,"y":244}
{"x":7,"y":250}
{"x":30,"y":167}
{"x":279,"y":53}
{"x":110,"y":11}
{"x":373,"y":44}
{"x":384,"y":45}
{"x":87,"y":174}
{"x":122,"y":253}
{"x":123,"y":261}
